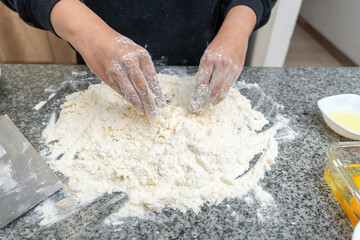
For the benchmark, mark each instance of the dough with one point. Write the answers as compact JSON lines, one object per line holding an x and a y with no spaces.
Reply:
{"x":177,"y":159}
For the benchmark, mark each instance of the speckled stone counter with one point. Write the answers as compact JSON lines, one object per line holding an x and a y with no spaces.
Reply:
{"x":304,"y":206}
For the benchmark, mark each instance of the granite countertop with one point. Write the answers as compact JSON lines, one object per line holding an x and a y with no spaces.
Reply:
{"x":304,"y":207}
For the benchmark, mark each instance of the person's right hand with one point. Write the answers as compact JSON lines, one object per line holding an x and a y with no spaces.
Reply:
{"x":118,"y":61}
{"x":128,"y":69}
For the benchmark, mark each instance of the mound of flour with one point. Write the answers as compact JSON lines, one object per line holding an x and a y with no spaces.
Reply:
{"x":177,"y":159}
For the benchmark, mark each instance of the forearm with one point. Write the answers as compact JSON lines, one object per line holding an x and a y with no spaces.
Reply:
{"x":261,"y":8}
{"x":77,"y":24}
{"x":238,"y":25}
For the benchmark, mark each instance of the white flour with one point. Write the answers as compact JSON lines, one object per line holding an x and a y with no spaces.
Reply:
{"x":178,"y":159}
{"x":7,"y":182}
{"x":2,"y":151}
{"x":42,"y":103}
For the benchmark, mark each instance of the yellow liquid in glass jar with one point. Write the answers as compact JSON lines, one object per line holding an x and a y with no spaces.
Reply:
{"x":347,"y":119}
{"x":349,"y":204}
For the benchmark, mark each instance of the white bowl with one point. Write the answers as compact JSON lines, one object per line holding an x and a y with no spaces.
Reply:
{"x":356,"y":233}
{"x":349,"y":102}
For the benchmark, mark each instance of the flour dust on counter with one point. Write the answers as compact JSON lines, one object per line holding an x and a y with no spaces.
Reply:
{"x":178,"y":160}
{"x":2,"y":151}
{"x":42,"y":103}
{"x":7,"y":182}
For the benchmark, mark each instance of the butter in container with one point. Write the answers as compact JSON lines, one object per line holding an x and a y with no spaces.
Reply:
{"x":342,"y":173}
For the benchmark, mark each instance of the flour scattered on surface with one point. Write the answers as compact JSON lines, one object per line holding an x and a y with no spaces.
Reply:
{"x":80,"y":73}
{"x":39,"y":105}
{"x":48,"y":212}
{"x":51,"y":96}
{"x":270,"y":110}
{"x":2,"y":151}
{"x":263,"y":196}
{"x":178,"y":160}
{"x":7,"y":182}
{"x":42,"y":103}
{"x":51,"y":211}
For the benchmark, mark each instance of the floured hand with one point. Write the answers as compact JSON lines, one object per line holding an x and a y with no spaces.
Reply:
{"x":224,"y":59}
{"x":127,"y":68}
{"x":119,"y":62}
{"x":218,"y":70}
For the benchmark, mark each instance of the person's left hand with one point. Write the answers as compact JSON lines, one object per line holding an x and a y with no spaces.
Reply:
{"x":223,"y":59}
{"x":219,"y":67}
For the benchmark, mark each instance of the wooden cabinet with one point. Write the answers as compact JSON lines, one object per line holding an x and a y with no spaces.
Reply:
{"x":20,"y":43}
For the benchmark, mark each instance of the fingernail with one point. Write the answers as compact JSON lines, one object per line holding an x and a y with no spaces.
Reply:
{"x":216,"y":103}
{"x":198,"y":97}
{"x":151,"y":111}
{"x":153,"y":114}
{"x":140,"y":111}
{"x":194,"y":105}
{"x":198,"y":111}
{"x":160,"y":102}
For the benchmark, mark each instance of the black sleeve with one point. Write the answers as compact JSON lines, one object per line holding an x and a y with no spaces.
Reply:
{"x":262,"y":9}
{"x":36,"y":13}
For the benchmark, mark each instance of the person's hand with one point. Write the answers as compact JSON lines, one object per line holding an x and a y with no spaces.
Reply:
{"x":118,"y":61}
{"x":128,"y":69}
{"x":219,"y":67}
{"x":223,"y":59}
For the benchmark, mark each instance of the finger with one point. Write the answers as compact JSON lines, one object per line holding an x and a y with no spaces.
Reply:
{"x":131,"y":94}
{"x":112,"y":74}
{"x":115,"y":86}
{"x":225,"y":89}
{"x":124,"y":87}
{"x":143,"y":90}
{"x":216,"y":84}
{"x":230,"y":79}
{"x":149,"y":72}
{"x":201,"y":87}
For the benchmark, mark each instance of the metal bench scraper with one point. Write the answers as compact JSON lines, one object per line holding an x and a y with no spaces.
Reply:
{"x":25,"y":178}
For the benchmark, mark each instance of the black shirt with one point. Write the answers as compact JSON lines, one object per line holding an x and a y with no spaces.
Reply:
{"x":175,"y":32}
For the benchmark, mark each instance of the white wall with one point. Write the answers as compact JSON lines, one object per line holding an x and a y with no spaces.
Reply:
{"x":338,"y":21}
{"x":272,"y":41}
